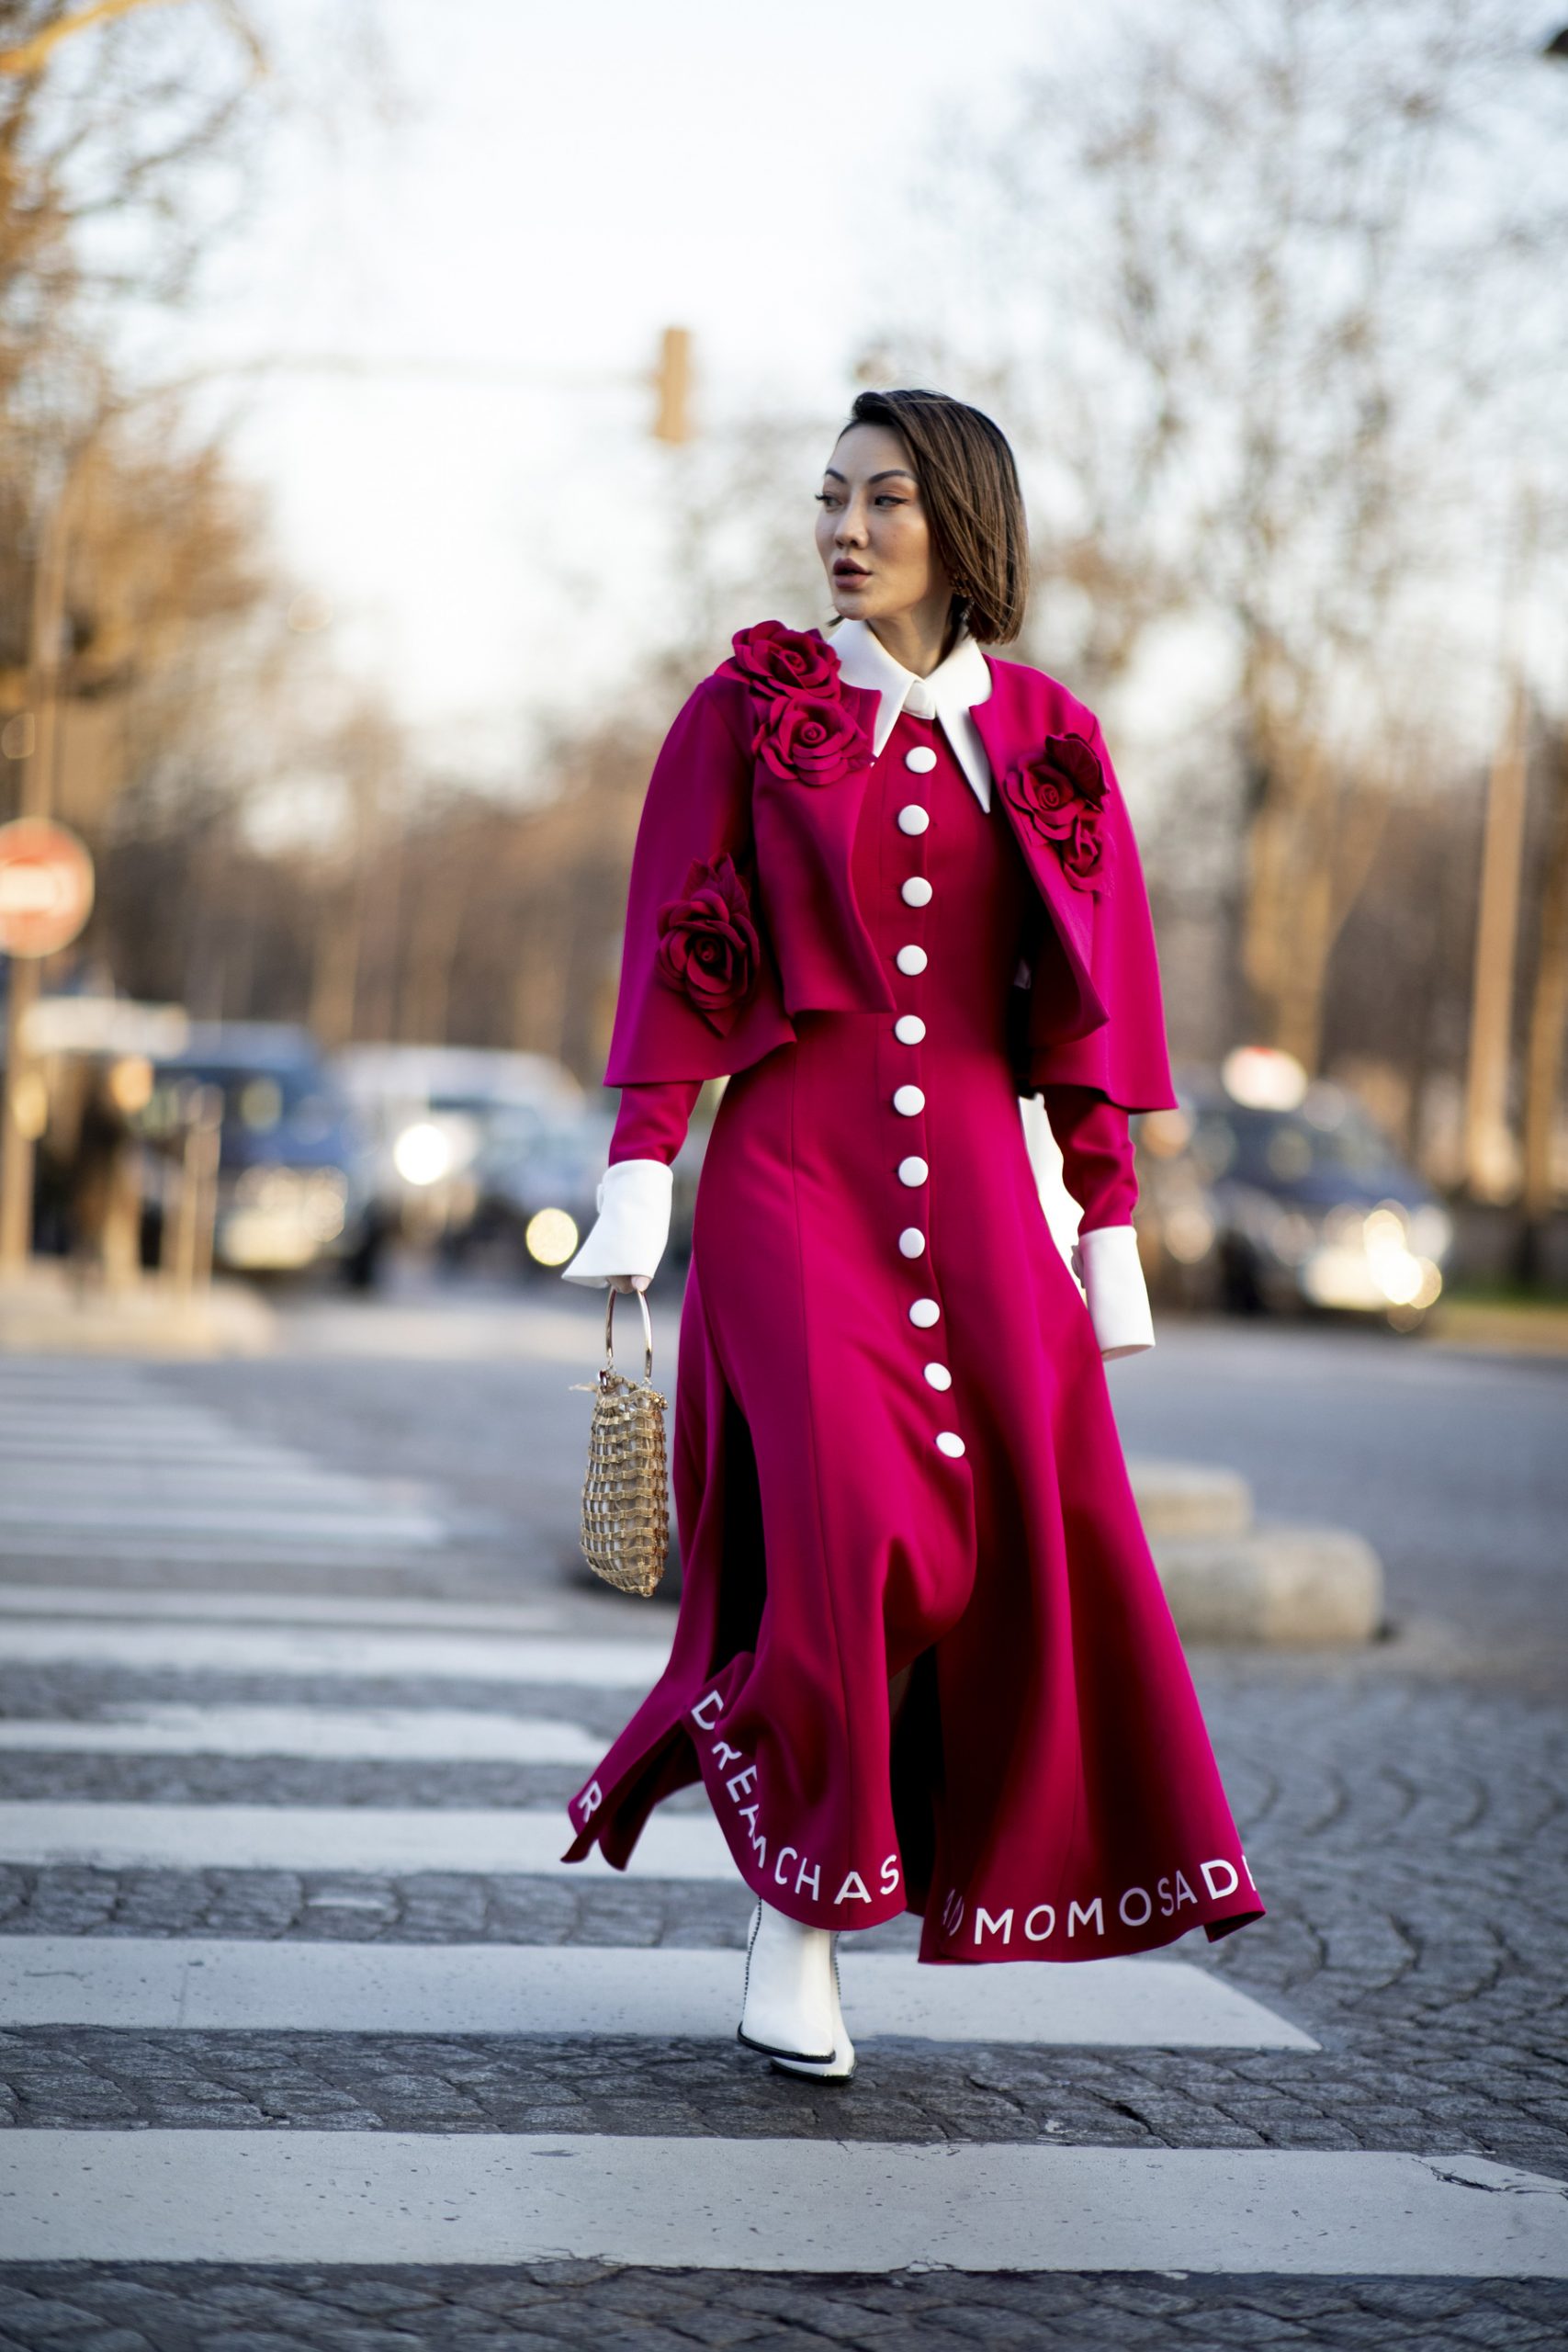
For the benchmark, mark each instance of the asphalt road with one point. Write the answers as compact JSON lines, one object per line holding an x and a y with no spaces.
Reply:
{"x":306,"y":2037}
{"x":1453,"y":1463}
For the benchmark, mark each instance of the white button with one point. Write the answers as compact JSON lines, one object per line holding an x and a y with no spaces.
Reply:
{"x":939,"y":1375}
{"x":912,"y":819}
{"x":922,"y":759}
{"x":915,"y":891}
{"x":923,"y":1313}
{"x":912,"y":1170}
{"x":950,"y":1442}
{"x":908,"y":1102}
{"x":908,"y":1028}
{"x":911,"y":959}
{"x":912,"y":1241}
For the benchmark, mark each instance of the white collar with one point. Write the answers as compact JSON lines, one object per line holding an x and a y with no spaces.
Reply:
{"x":948,"y":695}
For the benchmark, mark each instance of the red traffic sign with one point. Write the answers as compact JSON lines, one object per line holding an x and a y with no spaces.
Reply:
{"x":46,"y":887}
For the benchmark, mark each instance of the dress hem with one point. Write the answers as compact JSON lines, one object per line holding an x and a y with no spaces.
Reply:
{"x":625,"y":1815}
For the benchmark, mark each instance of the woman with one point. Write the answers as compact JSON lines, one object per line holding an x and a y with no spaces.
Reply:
{"x":885,"y":886}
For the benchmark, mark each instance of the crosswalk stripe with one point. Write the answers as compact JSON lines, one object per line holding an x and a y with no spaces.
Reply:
{"x":230,"y":1552}
{"x":232,"y":1517}
{"x":172,"y":1441}
{"x":801,"y":2205}
{"x":154,"y":1984}
{"x":24,"y":1435}
{"x":87,"y":1427}
{"x":98,"y":1465}
{"x":125,"y":1602}
{"x":381,"y":1735}
{"x":389,"y":1839}
{"x":150,"y":1481}
{"x":116,"y":1469}
{"x":360,"y":1653}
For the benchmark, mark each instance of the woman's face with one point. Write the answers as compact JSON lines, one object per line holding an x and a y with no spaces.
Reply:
{"x":871,"y":531}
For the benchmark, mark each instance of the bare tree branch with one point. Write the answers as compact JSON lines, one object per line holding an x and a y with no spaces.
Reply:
{"x":30,"y":57}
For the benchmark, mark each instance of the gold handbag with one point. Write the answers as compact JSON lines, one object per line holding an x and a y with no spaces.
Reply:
{"x":626,"y":1499}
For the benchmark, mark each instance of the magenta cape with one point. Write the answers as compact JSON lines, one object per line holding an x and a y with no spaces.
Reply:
{"x":893,"y":1450}
{"x":1096,"y":1017}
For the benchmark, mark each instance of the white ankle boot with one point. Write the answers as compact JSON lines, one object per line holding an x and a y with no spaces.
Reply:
{"x":790,"y":2011}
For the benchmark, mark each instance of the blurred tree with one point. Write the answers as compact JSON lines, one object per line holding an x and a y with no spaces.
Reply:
{"x":1271,"y":294}
{"x":141,"y":618}
{"x":124,"y":132}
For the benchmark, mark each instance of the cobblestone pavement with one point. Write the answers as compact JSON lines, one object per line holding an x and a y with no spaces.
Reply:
{"x":1407,"y":1831}
{"x":128,"y":2308}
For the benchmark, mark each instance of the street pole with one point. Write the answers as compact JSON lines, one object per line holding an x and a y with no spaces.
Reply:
{"x":1488,"y":1148}
{"x":1547,"y":1030}
{"x":20,"y":1125}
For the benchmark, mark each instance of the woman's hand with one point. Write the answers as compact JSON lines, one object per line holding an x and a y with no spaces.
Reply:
{"x":629,"y":1282}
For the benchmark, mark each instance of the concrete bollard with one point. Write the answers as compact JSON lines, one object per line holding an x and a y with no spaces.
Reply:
{"x":1297,"y":1587}
{"x":1190,"y":1498}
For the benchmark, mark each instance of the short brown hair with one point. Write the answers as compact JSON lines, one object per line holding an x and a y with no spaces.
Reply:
{"x":969,"y":483}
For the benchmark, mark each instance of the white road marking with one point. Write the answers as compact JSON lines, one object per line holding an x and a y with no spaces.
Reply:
{"x":810,"y":2204}
{"x":157,"y":1983}
{"x":231,"y":1519}
{"x":219,"y":1553}
{"x":124,"y":1602}
{"x":170,"y":1443}
{"x":382,"y":1734}
{"x":255,"y":1650}
{"x":141,"y":1482}
{"x":526,"y":1840}
{"x":122,"y":1472}
{"x":86,"y":1427}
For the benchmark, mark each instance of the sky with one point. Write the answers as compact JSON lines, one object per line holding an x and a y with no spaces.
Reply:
{"x":562,"y":185}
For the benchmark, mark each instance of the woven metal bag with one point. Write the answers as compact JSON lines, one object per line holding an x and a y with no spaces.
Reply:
{"x":626,"y":1496}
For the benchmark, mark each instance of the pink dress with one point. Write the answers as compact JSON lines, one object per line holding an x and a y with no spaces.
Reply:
{"x":894,"y":1456}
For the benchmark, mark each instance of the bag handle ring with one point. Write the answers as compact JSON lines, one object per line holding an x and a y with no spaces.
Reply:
{"x":641,"y":1297}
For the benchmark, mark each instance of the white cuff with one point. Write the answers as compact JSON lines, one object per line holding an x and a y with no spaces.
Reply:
{"x":633,"y":1225}
{"x":1106,"y":1261}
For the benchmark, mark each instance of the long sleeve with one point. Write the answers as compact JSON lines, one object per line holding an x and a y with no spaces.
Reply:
{"x":1123,"y":1056}
{"x":632,"y":1230}
{"x":652,"y":1119}
{"x":1096,"y":1166}
{"x":684,"y":1012}
{"x":1097,"y":1154}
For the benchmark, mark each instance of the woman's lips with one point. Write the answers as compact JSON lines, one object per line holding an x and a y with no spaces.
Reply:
{"x":849,"y":572}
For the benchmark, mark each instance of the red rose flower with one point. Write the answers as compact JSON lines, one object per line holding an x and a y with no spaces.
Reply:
{"x":1062,"y":793}
{"x":777,"y":660}
{"x":810,"y":738}
{"x":1084,"y":852}
{"x":1055,"y":790}
{"x":707,"y":940}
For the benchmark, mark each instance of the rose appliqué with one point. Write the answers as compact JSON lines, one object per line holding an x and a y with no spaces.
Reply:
{"x":810,"y":738}
{"x":774,"y":659}
{"x":1062,"y":793}
{"x":707,"y":940}
{"x":1084,"y":853}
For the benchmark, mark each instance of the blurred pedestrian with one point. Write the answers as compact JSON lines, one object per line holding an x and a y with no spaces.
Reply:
{"x":106,"y":1207}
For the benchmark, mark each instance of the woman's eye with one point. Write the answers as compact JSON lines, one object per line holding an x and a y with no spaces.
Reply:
{"x":887,"y":498}
{"x":825,"y":498}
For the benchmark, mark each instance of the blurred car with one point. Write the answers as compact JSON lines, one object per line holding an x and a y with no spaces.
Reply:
{"x":431,"y":1112}
{"x":293,"y":1174}
{"x":538,"y":1178}
{"x":1256,"y":1205}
